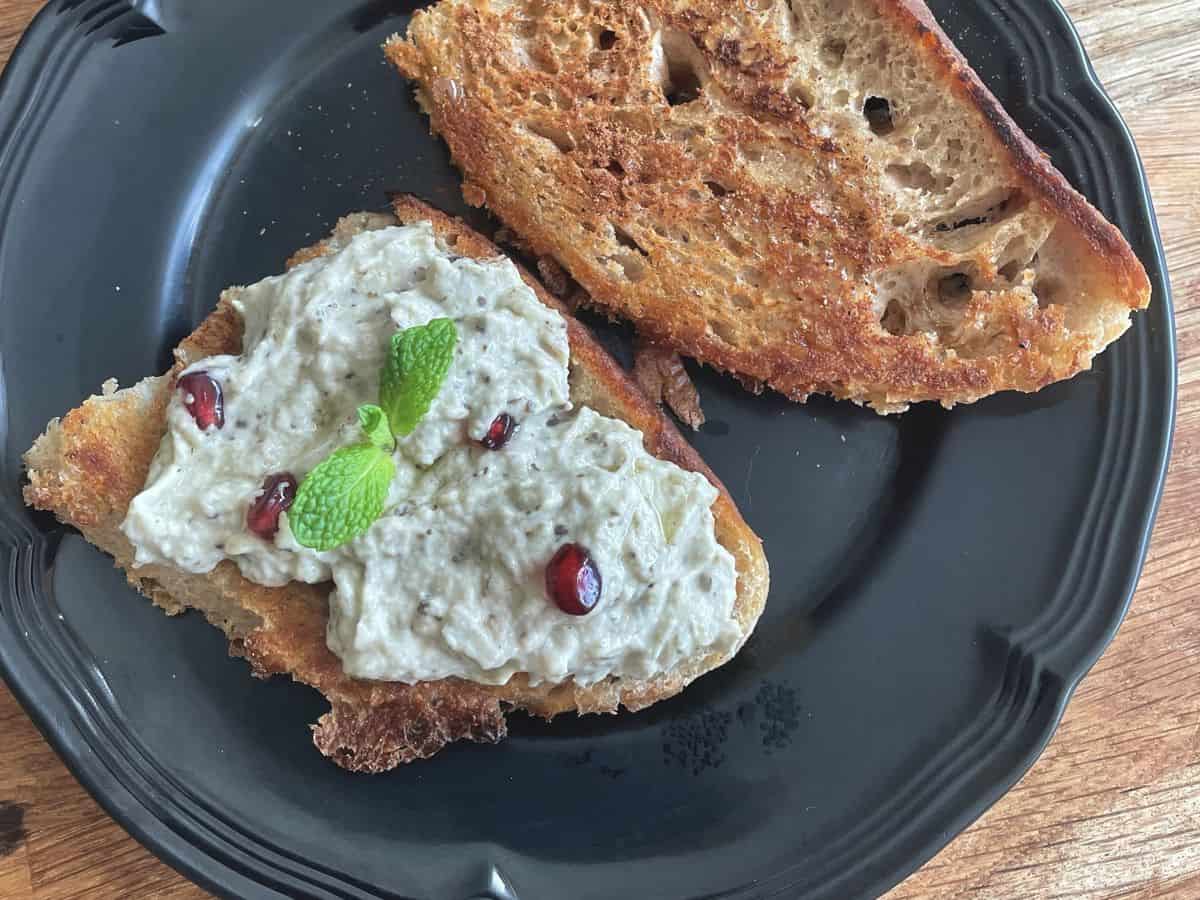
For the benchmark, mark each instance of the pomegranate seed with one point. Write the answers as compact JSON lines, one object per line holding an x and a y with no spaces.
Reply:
{"x":573,"y":581}
{"x":499,"y":432}
{"x":202,"y":398}
{"x":278,"y":492}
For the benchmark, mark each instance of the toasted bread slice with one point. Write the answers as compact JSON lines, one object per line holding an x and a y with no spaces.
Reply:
{"x":818,"y":196}
{"x":87,"y":467}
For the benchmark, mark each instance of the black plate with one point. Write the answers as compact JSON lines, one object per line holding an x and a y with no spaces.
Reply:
{"x":941,"y":581}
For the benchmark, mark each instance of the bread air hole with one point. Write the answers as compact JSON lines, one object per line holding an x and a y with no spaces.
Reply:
{"x":682,"y":83}
{"x":954,"y":151}
{"x":607,"y":39}
{"x":725,"y":331}
{"x":684,"y":86}
{"x":631,"y":264}
{"x":991,"y":213}
{"x":1015,"y":260}
{"x":878,"y":113}
{"x":802,"y":94}
{"x":954,"y":289}
{"x":1011,"y":271}
{"x":914,"y":176}
{"x":962,"y":223}
{"x":895,"y":318}
{"x":556,"y":136}
{"x":1049,"y":291}
{"x":625,"y":239}
{"x":833,"y":51}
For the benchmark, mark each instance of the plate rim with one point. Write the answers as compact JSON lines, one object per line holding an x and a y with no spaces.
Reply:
{"x":56,"y":721}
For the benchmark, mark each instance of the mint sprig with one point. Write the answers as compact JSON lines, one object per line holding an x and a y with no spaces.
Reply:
{"x":344,"y":494}
{"x":414,"y":372}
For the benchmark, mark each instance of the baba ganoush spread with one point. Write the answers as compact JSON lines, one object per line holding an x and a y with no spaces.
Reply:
{"x":451,"y":579}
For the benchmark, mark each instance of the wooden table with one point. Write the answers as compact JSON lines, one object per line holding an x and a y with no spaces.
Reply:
{"x":1112,"y":809}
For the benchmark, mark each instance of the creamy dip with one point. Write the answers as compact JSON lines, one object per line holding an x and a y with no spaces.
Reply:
{"x":450,"y":580}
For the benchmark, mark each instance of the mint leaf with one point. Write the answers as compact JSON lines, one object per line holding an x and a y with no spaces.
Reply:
{"x":417,"y":365}
{"x":375,"y":426}
{"x":341,"y":497}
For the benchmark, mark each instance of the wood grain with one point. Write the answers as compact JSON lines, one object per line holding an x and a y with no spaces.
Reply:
{"x":1112,"y":810}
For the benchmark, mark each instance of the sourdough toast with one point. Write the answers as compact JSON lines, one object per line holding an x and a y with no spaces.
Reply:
{"x":821,"y":197}
{"x":87,"y":467}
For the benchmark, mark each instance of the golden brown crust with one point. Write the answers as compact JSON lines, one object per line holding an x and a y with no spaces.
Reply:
{"x":758,"y":234}
{"x":88,"y":466}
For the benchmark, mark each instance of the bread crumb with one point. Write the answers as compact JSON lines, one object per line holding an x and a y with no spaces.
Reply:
{"x":660,"y":374}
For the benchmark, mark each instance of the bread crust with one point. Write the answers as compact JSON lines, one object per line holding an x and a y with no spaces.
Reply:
{"x":1026,"y":158}
{"x":771,"y":277}
{"x":89,"y":465}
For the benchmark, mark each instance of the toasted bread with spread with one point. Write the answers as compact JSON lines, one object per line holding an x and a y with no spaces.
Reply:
{"x":90,"y":465}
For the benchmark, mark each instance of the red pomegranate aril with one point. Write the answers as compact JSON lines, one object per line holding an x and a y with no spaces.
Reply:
{"x":278,"y":492}
{"x":499,"y":432}
{"x":202,"y":398}
{"x":573,"y":580}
